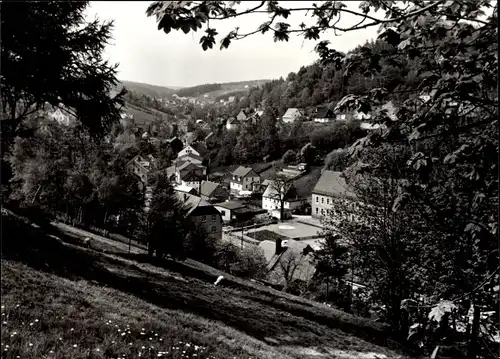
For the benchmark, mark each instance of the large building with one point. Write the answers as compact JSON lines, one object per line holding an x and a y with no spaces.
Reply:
{"x":331,"y":190}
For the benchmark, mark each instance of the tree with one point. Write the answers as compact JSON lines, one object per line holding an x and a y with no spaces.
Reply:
{"x":165,"y":227}
{"x":289,"y":157}
{"x":307,"y":154}
{"x":251,"y":262}
{"x":280,"y":189}
{"x":51,"y":55}
{"x":271,"y":142}
{"x":337,"y":160}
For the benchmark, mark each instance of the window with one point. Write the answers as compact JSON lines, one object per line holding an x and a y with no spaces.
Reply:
{"x":203,"y":219}
{"x":316,"y":210}
{"x":322,"y":212}
{"x":213,"y":229}
{"x":223,"y":213}
{"x":322,"y":200}
{"x":328,"y":201}
{"x":317,"y":199}
{"x":213,"y":217}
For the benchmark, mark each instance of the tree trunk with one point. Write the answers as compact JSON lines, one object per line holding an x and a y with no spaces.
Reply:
{"x":473,"y":344}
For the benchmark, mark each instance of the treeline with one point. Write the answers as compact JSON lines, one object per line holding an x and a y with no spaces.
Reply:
{"x":198,"y":90}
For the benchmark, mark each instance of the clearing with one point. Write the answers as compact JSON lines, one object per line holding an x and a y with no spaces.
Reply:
{"x":62,"y":300}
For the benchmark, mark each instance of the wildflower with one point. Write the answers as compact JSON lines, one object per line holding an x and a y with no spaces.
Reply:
{"x":31,"y":324}
{"x":60,"y":338}
{"x":98,"y":350}
{"x":123,"y":334}
{"x":113,"y":342}
{"x":30,"y":344}
{"x":4,"y":323}
{"x":17,"y":306}
{"x":143,"y":347}
{"x":72,"y":329}
{"x":36,"y":320}
{"x":74,"y":345}
{"x":51,"y":352}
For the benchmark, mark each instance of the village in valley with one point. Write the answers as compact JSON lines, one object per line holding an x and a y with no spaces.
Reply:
{"x":324,"y":189}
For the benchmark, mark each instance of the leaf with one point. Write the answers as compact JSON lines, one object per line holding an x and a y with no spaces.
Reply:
{"x":339,"y":5}
{"x":441,"y":309}
{"x":422,"y":20}
{"x":365,"y":7}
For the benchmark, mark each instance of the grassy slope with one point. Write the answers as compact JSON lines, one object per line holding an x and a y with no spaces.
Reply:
{"x":61,"y":285}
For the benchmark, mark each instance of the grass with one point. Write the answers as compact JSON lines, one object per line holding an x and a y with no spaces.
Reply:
{"x":268,"y":235}
{"x":124,"y":306}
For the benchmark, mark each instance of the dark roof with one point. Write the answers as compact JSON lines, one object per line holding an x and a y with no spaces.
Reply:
{"x":195,"y":206}
{"x":200,"y":148}
{"x":208,"y":187}
{"x":192,"y":175}
{"x":185,"y":166}
{"x":325,"y":113}
{"x":333,"y":184}
{"x":242,"y":171}
{"x":230,"y":205}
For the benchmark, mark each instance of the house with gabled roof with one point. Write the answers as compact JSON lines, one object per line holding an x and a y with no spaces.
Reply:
{"x":324,"y":115}
{"x":243,"y":179}
{"x":244,"y":115}
{"x":277,"y":192}
{"x":175,"y":143}
{"x":331,"y":190}
{"x":213,"y":192}
{"x":197,"y":148}
{"x":191,"y":158}
{"x":141,"y":166}
{"x":292,"y":114}
{"x":204,"y":215}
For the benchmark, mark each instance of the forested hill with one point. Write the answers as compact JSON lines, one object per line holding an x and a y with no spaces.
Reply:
{"x":148,"y":89}
{"x":316,"y":84}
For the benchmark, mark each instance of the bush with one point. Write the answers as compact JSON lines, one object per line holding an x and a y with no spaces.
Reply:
{"x":289,"y":157}
{"x":251,"y":263}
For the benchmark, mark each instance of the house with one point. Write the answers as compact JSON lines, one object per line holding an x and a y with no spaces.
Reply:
{"x":292,"y":114}
{"x":324,"y":115}
{"x":294,"y":257}
{"x":62,"y":118}
{"x":229,"y":209}
{"x":243,"y":179}
{"x":188,"y":166}
{"x":331,"y":190}
{"x":192,"y":178}
{"x":175,"y":143}
{"x":213,"y":192}
{"x":184,"y":192}
{"x":232,"y":124}
{"x":191,"y":157}
{"x":197,"y":149}
{"x":243,"y":115}
{"x":141,"y":166}
{"x":274,"y":195}
{"x":204,"y":215}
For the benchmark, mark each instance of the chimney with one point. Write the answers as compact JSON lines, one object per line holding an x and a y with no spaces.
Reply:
{"x":279,"y":249}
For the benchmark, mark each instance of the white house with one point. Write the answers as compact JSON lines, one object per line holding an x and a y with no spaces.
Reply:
{"x":292,"y":114}
{"x":243,"y":179}
{"x":273,"y":196}
{"x":228,"y":209}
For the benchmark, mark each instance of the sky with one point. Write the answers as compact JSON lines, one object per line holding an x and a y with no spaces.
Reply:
{"x":150,"y":56}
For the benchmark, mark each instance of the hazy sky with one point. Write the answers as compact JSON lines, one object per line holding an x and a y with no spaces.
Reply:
{"x":176,"y":59}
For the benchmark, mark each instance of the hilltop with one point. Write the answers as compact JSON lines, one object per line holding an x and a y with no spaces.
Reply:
{"x":150,"y":90}
{"x":109,"y":303}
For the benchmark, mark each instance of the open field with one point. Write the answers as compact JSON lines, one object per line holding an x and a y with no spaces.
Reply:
{"x":61,"y":300}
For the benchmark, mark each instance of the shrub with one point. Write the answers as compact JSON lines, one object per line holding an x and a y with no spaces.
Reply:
{"x":251,"y":263}
{"x":289,"y":157}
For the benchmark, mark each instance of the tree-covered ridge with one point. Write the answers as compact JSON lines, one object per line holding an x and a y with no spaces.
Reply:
{"x":198,"y":90}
